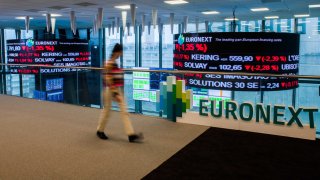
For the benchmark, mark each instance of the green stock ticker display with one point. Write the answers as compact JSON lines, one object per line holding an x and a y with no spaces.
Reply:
{"x":144,"y":95}
{"x":141,"y":75}
{"x":141,"y":84}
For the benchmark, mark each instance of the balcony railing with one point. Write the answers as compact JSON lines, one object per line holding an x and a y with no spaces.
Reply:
{"x":83,"y":86}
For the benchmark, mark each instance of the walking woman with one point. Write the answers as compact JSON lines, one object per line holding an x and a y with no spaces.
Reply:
{"x":113,"y":83}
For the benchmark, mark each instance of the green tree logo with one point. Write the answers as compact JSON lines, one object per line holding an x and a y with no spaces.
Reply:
{"x":29,"y":43}
{"x":181,"y":39}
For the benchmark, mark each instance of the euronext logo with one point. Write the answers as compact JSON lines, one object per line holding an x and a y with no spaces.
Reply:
{"x":181,"y":39}
{"x":29,"y":43}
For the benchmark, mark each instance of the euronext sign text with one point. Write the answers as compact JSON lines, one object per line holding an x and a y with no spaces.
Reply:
{"x":259,"y":112}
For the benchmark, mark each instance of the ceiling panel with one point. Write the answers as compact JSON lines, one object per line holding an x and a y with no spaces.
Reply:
{"x":87,"y":10}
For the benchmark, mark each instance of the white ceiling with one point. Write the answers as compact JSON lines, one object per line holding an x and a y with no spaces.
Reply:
{"x":9,"y":9}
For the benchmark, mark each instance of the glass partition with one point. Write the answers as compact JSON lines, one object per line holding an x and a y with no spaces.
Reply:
{"x":129,"y":47}
{"x":167,"y":45}
{"x":250,"y":26}
{"x":150,"y":47}
{"x":28,"y":80}
{"x":111,"y":39}
{"x":12,"y":80}
{"x":310,"y":47}
{"x":308,"y":96}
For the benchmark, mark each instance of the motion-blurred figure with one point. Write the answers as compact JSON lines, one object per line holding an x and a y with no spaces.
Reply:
{"x":113,"y":83}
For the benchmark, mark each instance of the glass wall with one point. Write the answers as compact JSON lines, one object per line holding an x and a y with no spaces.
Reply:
{"x":279,"y":97}
{"x":111,"y":40}
{"x":129,"y":43}
{"x":129,"y":59}
{"x":309,"y":46}
{"x":113,"y":36}
{"x":150,"y":58}
{"x":150,"y":47}
{"x":167,"y":45}
{"x":250,"y":26}
{"x":28,"y":81}
{"x":219,"y":26}
{"x":12,"y":80}
{"x":308,"y":92}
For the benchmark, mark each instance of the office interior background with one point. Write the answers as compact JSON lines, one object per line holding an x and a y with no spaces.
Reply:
{"x":152,"y":47}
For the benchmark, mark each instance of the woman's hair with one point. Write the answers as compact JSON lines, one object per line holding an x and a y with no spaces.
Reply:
{"x":117,"y":48}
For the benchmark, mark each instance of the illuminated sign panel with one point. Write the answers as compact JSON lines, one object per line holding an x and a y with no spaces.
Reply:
{"x":145,"y":84}
{"x":54,"y":84}
{"x":63,"y":53}
{"x":140,"y":75}
{"x":141,"y":84}
{"x":141,"y":95}
{"x":275,"y":53}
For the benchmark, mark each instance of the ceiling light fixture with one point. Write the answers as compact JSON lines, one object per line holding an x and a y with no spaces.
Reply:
{"x":231,"y":19}
{"x":314,"y":6}
{"x":53,"y":15}
{"x":173,"y":2}
{"x":22,"y":17}
{"x":271,"y":17}
{"x":259,"y":9}
{"x":301,"y":15}
{"x":123,"y":7}
{"x":210,"y":12}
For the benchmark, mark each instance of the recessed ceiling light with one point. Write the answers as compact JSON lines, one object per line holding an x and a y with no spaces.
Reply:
{"x":231,"y":19}
{"x":53,"y":15}
{"x":23,"y":17}
{"x":176,"y":2}
{"x":271,"y":17}
{"x":259,"y":9}
{"x":210,"y":12}
{"x":125,"y":7}
{"x":314,"y":6}
{"x":301,"y":15}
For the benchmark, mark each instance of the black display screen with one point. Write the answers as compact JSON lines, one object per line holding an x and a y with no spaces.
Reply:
{"x":273,"y":53}
{"x":63,"y":53}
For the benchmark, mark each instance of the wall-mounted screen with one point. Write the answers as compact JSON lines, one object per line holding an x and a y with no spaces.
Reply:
{"x":61,"y":53}
{"x":145,"y":84}
{"x":54,"y":89}
{"x":54,"y":84}
{"x":272,"y":53}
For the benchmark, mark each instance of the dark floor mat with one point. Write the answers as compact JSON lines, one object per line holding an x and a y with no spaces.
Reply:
{"x":229,"y":154}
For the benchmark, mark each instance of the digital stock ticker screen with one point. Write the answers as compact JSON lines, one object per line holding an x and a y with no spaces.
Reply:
{"x":61,"y":53}
{"x":258,"y":53}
